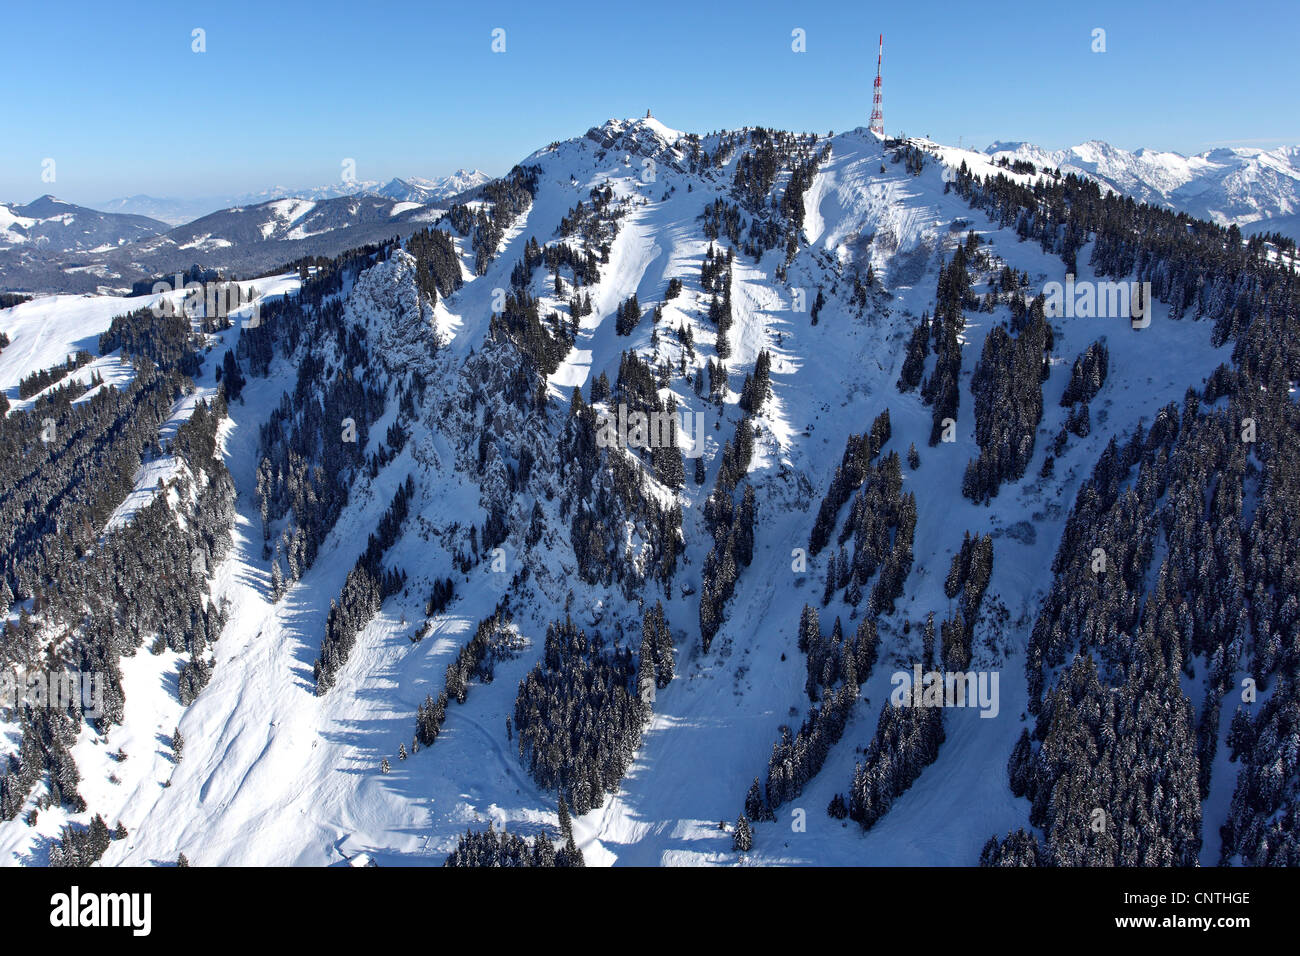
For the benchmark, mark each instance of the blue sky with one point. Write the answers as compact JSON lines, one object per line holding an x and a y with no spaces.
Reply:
{"x":286,"y":91}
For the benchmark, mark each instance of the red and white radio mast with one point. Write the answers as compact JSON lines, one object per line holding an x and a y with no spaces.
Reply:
{"x":877,"y":111}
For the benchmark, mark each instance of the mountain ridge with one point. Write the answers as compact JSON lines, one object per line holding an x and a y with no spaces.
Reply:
{"x":1258,"y":189}
{"x":177,"y":211}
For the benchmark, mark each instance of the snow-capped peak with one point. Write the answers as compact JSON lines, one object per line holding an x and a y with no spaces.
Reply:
{"x":645,"y":136}
{"x":416,"y":189}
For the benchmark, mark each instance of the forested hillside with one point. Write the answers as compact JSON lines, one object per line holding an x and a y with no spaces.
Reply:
{"x":740,"y":497}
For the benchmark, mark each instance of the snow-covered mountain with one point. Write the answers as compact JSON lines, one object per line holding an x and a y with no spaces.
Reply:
{"x":54,"y":226}
{"x":242,"y":239}
{"x":425,"y":191}
{"x":52,"y":246}
{"x":274,"y":221}
{"x":634,"y":263}
{"x":177,"y":212}
{"x":1257,"y":189}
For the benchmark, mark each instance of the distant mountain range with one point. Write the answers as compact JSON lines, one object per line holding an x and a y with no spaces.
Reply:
{"x":414,"y":189}
{"x":176,"y":212}
{"x":1257,"y":189}
{"x":54,"y":246}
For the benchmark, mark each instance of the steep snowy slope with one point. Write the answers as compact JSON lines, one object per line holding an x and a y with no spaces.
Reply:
{"x":274,"y":773}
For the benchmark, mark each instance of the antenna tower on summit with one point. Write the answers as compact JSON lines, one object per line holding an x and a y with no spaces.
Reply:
{"x":877,"y":111}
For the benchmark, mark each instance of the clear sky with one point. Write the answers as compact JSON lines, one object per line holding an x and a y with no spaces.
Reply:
{"x":114,"y":93}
